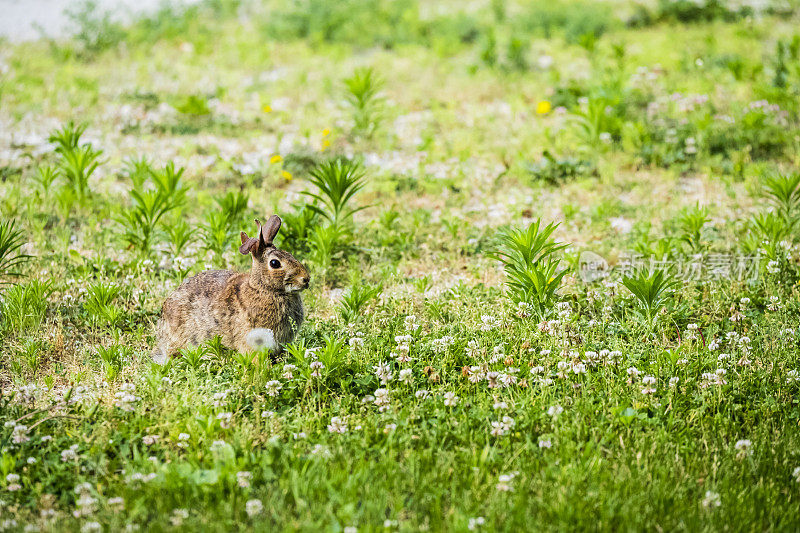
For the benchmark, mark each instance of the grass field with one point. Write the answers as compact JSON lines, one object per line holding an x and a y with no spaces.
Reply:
{"x":460,"y":367}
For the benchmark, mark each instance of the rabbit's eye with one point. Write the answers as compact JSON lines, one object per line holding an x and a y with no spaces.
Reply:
{"x":274,"y":263}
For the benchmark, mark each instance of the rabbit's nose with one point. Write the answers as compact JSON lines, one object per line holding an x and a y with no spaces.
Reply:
{"x":305,"y":280}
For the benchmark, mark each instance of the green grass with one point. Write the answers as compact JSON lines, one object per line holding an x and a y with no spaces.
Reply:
{"x":455,"y":372}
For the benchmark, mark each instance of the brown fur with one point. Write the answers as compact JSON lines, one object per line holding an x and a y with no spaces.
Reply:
{"x":230,"y":304}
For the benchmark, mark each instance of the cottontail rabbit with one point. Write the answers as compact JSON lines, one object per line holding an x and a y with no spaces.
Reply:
{"x":237,"y":305}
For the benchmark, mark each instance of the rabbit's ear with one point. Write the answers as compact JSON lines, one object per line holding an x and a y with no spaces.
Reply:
{"x":270,"y":229}
{"x":249,"y":244}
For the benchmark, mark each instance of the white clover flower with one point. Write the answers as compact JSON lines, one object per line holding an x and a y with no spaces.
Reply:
{"x":489,"y":322}
{"x":474,"y":523}
{"x":149,"y":440}
{"x":83,"y":488}
{"x":473,"y":348}
{"x":220,"y":398}
{"x":649,"y":383}
{"x":70,"y":454}
{"x":182,"y":438}
{"x":796,"y":474}
{"x":406,"y":376}
{"x":320,"y":450}
{"x":555,"y":410}
{"x":545,"y":443}
{"x":402,"y":354}
{"x":178,"y":516}
{"x":117,"y":503}
{"x":498,"y":354}
{"x":743,"y":448}
{"x":383,"y":372}
{"x":501,"y":427}
{"x":85,"y":505}
{"x":19,"y":434}
{"x":504,"y":482}
{"x":356,"y":342}
{"x":450,"y":399}
{"x":475,"y":374}
{"x":673,"y":381}
{"x":497,"y":428}
{"x":507,"y":379}
{"x":381,"y":399}
{"x":243,"y":479}
{"x":311,"y":353}
{"x":337,"y":425}
{"x":125,"y":399}
{"x":274,"y":387}
{"x":316,"y":368}
{"x":592,"y":357}
{"x":441,"y":345}
{"x":422,"y":394}
{"x":253,"y":507}
{"x":218,"y":445}
{"x":288,"y":370}
{"x":773,"y":267}
{"x":711,"y":500}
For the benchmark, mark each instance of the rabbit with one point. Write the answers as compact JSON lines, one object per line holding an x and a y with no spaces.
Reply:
{"x":237,"y":305}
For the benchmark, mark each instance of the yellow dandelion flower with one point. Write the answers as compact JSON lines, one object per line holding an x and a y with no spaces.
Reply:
{"x":275,"y":159}
{"x":286,"y":175}
{"x":326,"y":132}
{"x":267,"y":108}
{"x":325,"y":143}
{"x":543,"y":107}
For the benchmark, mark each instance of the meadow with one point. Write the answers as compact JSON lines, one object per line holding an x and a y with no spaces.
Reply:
{"x":554,"y":252}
